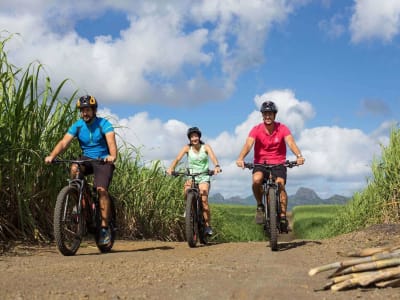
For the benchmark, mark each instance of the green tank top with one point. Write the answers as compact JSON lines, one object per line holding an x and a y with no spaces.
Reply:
{"x":198,"y":162}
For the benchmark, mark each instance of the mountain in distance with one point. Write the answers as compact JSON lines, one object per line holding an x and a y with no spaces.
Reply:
{"x":303,"y":196}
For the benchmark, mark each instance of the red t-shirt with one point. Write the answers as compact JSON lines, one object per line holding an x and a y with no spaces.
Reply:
{"x":269,"y":148}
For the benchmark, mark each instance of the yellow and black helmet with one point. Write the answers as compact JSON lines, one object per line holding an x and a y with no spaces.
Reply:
{"x":86,"y":101}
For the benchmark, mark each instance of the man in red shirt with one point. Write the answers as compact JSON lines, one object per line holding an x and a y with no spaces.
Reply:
{"x":269,"y":139}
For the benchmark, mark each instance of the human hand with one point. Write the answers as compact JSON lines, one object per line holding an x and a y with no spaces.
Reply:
{"x":110,"y":159}
{"x":240,"y":163}
{"x":48,"y":159}
{"x":217,"y":170}
{"x":300,"y":160}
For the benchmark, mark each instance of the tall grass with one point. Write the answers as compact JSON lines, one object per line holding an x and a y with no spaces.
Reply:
{"x":151,"y":203}
{"x":380,"y":201}
{"x":30,"y":118}
{"x":33,"y":119}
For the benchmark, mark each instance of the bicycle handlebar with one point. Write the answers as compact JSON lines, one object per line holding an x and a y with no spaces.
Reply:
{"x":289,"y":164}
{"x":187,"y":173}
{"x":77,"y":161}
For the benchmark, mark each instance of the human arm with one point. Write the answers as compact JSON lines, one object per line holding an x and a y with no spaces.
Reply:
{"x":293,"y":147}
{"x":181,"y":153}
{"x":213,"y":158}
{"x":245,"y":150}
{"x":59,"y":148}
{"x":112,"y":147}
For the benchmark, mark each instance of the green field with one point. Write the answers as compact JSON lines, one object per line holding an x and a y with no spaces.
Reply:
{"x":313,"y":221}
{"x":235,"y":223}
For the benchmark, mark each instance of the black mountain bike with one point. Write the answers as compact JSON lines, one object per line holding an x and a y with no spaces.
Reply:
{"x":194,"y":220}
{"x":272,"y":203}
{"x":77,"y":213}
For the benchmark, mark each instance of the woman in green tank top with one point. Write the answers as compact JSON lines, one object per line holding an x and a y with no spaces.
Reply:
{"x":198,"y":155}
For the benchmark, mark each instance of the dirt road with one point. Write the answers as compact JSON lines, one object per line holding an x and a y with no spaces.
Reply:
{"x":172,"y":270}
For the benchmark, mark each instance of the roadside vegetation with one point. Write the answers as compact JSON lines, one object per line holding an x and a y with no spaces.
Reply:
{"x":34,"y":116}
{"x":313,"y":221}
{"x":235,"y":223}
{"x":379,"y":202}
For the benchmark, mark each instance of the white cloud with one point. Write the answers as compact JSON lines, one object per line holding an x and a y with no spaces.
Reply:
{"x":176,"y":52}
{"x":336,"y":158}
{"x":375,"y":19}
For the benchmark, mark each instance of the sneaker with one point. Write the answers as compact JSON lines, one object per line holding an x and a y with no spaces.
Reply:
{"x":105,"y":236}
{"x":284,"y":225}
{"x":208,"y":230}
{"x":260,"y":219}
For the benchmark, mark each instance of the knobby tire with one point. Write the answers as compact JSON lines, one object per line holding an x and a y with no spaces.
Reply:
{"x":273,"y":219}
{"x":191,"y":227}
{"x":68,"y":223}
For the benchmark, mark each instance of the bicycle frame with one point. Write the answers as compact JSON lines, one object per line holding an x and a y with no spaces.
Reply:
{"x":77,"y":212}
{"x":84,"y":190}
{"x":195,"y":224}
{"x":271,"y":201}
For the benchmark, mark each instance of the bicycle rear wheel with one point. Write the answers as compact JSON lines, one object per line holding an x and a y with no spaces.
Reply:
{"x":68,"y":221}
{"x":273,"y":219}
{"x":191,"y":224}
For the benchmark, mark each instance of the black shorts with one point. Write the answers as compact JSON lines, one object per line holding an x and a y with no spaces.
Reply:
{"x":278,"y":171}
{"x":103,"y":173}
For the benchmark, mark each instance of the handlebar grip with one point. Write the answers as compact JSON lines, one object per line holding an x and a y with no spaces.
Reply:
{"x":248,"y":165}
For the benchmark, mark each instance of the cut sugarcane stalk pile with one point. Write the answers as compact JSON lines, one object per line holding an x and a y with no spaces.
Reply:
{"x":379,"y":267}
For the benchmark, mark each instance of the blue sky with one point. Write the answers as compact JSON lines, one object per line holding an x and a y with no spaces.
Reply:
{"x":159,"y":67}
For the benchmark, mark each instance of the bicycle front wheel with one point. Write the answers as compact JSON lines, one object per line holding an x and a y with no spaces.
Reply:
{"x":273,"y":219}
{"x":68,"y":221}
{"x":191,"y":226}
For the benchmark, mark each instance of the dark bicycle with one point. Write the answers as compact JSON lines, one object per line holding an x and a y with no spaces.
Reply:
{"x":194,"y":220}
{"x":77,"y":213}
{"x":272,"y":203}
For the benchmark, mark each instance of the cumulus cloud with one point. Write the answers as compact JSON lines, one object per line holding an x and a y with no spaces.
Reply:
{"x":336,"y":158}
{"x":375,"y":20}
{"x":175,"y":52}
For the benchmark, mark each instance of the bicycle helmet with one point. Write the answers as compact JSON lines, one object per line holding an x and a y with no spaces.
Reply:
{"x":86,"y":101}
{"x":193,"y":130}
{"x":268,"y":106}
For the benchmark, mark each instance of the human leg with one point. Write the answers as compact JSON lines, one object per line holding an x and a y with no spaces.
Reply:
{"x":258,"y":177}
{"x":102,"y":179}
{"x":204,"y":188}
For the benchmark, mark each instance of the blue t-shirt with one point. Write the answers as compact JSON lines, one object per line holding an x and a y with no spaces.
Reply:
{"x":91,"y":137}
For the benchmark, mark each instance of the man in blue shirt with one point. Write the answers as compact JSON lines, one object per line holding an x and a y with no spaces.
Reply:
{"x":96,"y":138}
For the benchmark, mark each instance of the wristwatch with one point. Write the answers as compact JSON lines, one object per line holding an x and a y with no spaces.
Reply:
{"x":299,"y":155}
